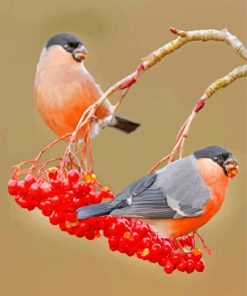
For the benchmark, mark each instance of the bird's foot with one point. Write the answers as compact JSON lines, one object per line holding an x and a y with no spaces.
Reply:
{"x":107,"y":121}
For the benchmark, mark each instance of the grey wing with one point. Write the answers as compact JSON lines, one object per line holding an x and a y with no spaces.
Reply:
{"x":150,"y":203}
{"x":175,"y":191}
{"x":144,"y":200}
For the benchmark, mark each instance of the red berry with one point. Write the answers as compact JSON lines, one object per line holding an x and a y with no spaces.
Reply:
{"x":62,"y":226}
{"x":66,"y":186}
{"x":73,"y":176}
{"x":68,"y":197}
{"x":190,"y":266}
{"x":21,"y":201}
{"x":97,"y":199}
{"x":181,"y":266}
{"x":162,"y":261}
{"x":122,"y":245}
{"x":182,"y":240}
{"x":200,"y":265}
{"x":156,"y":249}
{"x":106,"y":193}
{"x":52,"y":173}
{"x":31,"y":207}
{"x":47,"y":211}
{"x":56,"y":184}
{"x":189,"y":240}
{"x":70,"y":230}
{"x":112,"y":230}
{"x":70,"y":217}
{"x":166,"y":248}
{"x":90,"y":235}
{"x":136,"y":237}
{"x":46,"y":189}
{"x":12,"y":187}
{"x":176,"y":257}
{"x":168,"y":266}
{"x":113,"y":243}
{"x":21,"y":188}
{"x":130,"y":252}
{"x":145,"y":242}
{"x":79,"y":231}
{"x":35,"y":190}
{"x":121,"y":226}
{"x":29,"y":180}
{"x":77,"y":188}
{"x":56,"y":200}
{"x":45,"y":204}
{"x":86,"y":188}
{"x":55,"y":218}
{"x":83,"y":226}
{"x":189,"y":256}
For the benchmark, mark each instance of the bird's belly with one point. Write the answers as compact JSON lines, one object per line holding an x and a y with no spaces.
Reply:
{"x":61,"y":115}
{"x":61,"y":104}
{"x":183,"y":226}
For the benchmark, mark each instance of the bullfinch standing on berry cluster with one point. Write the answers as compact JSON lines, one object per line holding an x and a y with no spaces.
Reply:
{"x":177,"y":199}
{"x":64,"y":89}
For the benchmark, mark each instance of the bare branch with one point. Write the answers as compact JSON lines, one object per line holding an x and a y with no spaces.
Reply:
{"x":238,"y":72}
{"x":197,"y":35}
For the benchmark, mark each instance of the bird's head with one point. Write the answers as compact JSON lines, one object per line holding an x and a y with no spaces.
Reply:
{"x":221,"y":156}
{"x":67,"y":45}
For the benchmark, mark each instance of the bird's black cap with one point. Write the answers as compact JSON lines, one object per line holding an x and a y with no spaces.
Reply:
{"x":211,"y":152}
{"x":63,"y":39}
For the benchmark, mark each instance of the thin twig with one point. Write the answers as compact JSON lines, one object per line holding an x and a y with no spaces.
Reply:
{"x":184,"y":130}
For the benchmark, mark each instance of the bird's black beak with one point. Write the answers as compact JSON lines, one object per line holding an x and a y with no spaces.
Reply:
{"x":231,"y":167}
{"x":79,"y":53}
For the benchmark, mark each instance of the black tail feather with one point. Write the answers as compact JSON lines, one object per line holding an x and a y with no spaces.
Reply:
{"x":94,"y":210}
{"x":125,"y":125}
{"x":100,"y":209}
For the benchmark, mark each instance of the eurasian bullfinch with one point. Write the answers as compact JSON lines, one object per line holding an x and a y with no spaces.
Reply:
{"x":64,"y":89}
{"x":177,"y":199}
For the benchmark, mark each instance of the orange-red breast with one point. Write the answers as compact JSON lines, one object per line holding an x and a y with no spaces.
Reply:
{"x":177,"y":199}
{"x":64,"y":88}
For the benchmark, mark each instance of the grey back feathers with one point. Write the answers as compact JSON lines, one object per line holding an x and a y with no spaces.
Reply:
{"x":174,"y":191}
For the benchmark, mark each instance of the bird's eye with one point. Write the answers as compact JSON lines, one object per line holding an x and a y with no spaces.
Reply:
{"x":66,"y":46}
{"x":215,"y":158}
{"x":73,"y":44}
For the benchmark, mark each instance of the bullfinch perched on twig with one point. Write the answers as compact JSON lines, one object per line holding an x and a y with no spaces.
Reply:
{"x":177,"y":199}
{"x":64,"y":89}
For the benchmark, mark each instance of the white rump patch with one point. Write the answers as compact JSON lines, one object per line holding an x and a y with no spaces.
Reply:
{"x":129,"y":200}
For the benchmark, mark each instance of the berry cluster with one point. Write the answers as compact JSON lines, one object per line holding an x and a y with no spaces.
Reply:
{"x":132,"y":237}
{"x":58,"y":197}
